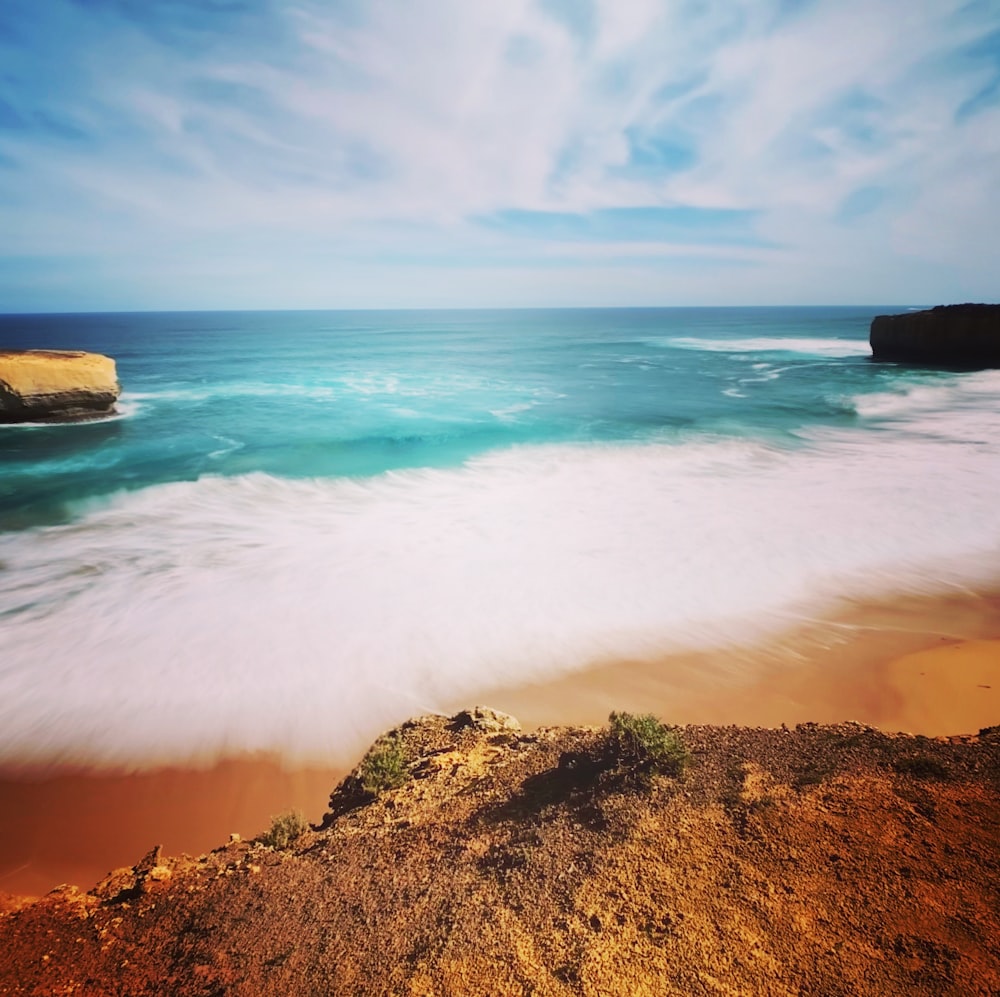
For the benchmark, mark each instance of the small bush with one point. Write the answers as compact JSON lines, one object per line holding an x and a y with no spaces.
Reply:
{"x":644,"y":742}
{"x":284,"y":829}
{"x":384,"y":767}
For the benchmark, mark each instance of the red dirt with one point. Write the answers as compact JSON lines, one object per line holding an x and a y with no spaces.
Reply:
{"x":821,"y":860}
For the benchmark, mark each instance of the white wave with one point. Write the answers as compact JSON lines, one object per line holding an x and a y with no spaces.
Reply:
{"x":642,"y":362}
{"x":773,"y":344}
{"x":509,"y":413}
{"x":360,"y":385}
{"x":304,"y":616}
{"x":946,"y":393}
{"x":229,"y":445}
{"x":765,"y":372}
{"x":128,"y":406}
{"x":16,"y":427}
{"x":239,"y":389}
{"x":764,"y":376}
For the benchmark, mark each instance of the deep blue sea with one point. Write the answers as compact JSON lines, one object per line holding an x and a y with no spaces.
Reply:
{"x":305,"y":526}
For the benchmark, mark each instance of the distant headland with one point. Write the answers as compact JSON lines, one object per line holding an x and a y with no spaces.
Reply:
{"x":956,"y":335}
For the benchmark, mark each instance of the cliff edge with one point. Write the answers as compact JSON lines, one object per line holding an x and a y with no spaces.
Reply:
{"x":56,"y":386}
{"x":948,"y":335}
{"x":464,"y":856}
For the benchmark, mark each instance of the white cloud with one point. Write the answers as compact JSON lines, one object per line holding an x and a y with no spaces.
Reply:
{"x":364,"y":138}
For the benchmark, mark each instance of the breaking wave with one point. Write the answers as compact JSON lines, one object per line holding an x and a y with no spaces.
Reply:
{"x":255,"y":612}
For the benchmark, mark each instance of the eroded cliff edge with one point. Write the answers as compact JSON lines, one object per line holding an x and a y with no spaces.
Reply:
{"x":56,"y":386}
{"x":828,"y":860}
{"x":948,"y":335}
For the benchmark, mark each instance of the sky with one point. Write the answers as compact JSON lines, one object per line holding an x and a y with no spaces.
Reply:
{"x":175,"y":154}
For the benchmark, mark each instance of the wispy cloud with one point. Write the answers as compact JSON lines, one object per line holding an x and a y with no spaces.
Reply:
{"x":300,"y":152}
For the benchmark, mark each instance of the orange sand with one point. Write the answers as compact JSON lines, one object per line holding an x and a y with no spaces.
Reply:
{"x":951,"y":688}
{"x":929,"y":666}
{"x":76,"y":827}
{"x":948,"y":689}
{"x":922,"y":665}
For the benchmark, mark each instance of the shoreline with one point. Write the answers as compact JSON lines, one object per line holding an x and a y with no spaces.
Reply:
{"x":886,"y":663}
{"x":925,"y":665}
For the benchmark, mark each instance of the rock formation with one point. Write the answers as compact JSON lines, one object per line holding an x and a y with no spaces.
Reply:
{"x":822,"y":860}
{"x":56,"y":386}
{"x":949,"y":335}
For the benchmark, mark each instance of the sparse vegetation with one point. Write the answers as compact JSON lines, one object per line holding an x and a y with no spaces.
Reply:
{"x":384,"y":767}
{"x":643,"y":742}
{"x":284,"y":829}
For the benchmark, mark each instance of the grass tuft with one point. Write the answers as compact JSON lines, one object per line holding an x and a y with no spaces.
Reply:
{"x":284,"y":829}
{"x":643,"y":742}
{"x":384,"y":767}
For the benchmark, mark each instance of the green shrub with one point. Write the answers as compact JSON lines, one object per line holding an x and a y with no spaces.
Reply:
{"x":384,"y":767}
{"x":284,"y":829}
{"x":644,"y":742}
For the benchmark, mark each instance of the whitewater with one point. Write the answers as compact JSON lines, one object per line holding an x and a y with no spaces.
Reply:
{"x":305,"y":527}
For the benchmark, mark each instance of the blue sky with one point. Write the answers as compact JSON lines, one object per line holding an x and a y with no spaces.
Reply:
{"x":411,"y":153}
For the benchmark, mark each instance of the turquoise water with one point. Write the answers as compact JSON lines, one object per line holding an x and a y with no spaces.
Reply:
{"x":302,"y":395}
{"x":302,"y":527}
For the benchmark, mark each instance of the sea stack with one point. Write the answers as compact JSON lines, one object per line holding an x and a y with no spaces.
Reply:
{"x":56,"y":386}
{"x":949,"y":335}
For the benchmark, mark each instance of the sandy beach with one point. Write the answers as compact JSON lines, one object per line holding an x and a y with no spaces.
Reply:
{"x":75,"y":827}
{"x":923,"y":665}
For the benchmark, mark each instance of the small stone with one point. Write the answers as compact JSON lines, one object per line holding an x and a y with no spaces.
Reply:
{"x":149,"y":861}
{"x":485,"y":718}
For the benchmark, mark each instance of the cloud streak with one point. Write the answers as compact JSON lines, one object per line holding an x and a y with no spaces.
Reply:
{"x":228,"y":153}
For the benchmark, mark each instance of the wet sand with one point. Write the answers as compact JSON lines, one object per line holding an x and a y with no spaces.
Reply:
{"x":923,"y":665}
{"x":75,"y":827}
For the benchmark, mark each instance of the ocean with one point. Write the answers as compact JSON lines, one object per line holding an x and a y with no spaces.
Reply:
{"x":304,"y":527}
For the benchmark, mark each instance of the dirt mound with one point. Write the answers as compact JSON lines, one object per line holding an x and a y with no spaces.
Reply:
{"x":823,"y":860}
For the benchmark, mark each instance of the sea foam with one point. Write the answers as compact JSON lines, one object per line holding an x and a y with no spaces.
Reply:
{"x":942,"y":397}
{"x":255,"y":612}
{"x":828,"y":347}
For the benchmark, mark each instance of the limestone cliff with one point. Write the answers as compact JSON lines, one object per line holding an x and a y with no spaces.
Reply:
{"x":56,"y":385}
{"x":821,"y":860}
{"x":950,"y":335}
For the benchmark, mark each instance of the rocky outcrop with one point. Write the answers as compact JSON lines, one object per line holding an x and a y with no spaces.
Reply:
{"x":824,"y":859}
{"x":129,"y":883}
{"x":56,"y":386}
{"x":486,"y":719}
{"x":949,"y":335}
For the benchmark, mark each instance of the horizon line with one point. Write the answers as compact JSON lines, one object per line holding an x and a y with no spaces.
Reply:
{"x":459,"y":308}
